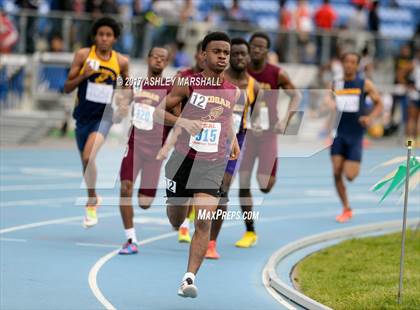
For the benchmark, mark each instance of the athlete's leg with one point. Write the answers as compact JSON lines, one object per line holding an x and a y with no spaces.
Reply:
{"x":149,"y":182}
{"x":351,"y":169}
{"x":267,"y":162}
{"x":206,"y":203}
{"x":245,"y":197}
{"x":177,"y":214}
{"x":126,"y":208}
{"x":216,"y":224}
{"x":338,"y":168}
{"x":93,"y":144}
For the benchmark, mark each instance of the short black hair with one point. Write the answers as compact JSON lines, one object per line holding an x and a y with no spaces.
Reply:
{"x":214,"y":36}
{"x":351,"y":53}
{"x":106,"y":21}
{"x":262,"y":35}
{"x":239,"y":41}
{"x":198,"y":46}
{"x":152,"y":48}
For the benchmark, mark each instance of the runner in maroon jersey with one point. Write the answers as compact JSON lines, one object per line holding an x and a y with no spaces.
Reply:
{"x":263,"y":145}
{"x":237,"y":75}
{"x":184,"y":229}
{"x":196,"y":167}
{"x":146,"y":138}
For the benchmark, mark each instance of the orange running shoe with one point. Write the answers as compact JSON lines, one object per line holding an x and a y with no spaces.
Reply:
{"x":211,"y":250}
{"x":345,"y":216}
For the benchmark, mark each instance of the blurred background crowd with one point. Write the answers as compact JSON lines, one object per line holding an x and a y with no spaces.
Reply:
{"x":310,"y":34}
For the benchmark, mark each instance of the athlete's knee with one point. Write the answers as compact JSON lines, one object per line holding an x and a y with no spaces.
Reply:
{"x":146,"y":197}
{"x":86,"y":159}
{"x":126,"y":189}
{"x":174,"y":217}
{"x":269,"y":187}
{"x":202,"y":226}
{"x":351,"y":176}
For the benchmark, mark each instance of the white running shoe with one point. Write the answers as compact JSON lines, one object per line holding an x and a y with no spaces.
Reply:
{"x":91,"y":218}
{"x":188,"y":289}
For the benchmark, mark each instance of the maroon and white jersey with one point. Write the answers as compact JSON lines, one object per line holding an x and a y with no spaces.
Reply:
{"x":213,"y":105}
{"x":268,"y":80}
{"x":149,"y":133}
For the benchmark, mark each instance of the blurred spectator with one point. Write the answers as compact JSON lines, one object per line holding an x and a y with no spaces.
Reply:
{"x":358,"y":20}
{"x":56,"y":44}
{"x":303,"y":24}
{"x":100,"y":7}
{"x":8,"y":34}
{"x":303,"y":20}
{"x":366,"y":66}
{"x":30,"y":23}
{"x":285,"y":16}
{"x":285,"y":22}
{"x":413,"y":125}
{"x":235,"y":13}
{"x":374,"y":24}
{"x":374,"y":20}
{"x":182,"y":59}
{"x":188,"y":11}
{"x":325,"y":17}
{"x":403,"y":65}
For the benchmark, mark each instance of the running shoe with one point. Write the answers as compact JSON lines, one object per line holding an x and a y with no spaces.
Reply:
{"x":128,"y":248}
{"x":184,"y":235}
{"x":249,"y":239}
{"x":188,"y":289}
{"x":91,"y":218}
{"x":211,"y":251}
{"x":345,"y":216}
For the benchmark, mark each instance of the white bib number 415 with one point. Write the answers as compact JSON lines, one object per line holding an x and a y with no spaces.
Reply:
{"x":100,"y":93}
{"x":207,"y":141}
{"x":143,"y":116}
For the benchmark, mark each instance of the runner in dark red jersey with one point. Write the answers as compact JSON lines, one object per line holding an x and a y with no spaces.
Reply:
{"x":237,"y":75}
{"x":196,"y":167}
{"x":146,"y":138}
{"x":263,"y":145}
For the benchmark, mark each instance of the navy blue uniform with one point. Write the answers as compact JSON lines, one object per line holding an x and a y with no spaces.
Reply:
{"x":350,"y":99}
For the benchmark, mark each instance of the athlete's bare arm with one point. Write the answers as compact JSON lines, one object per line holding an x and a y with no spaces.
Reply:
{"x":164,"y":112}
{"x":284,"y":82}
{"x":124,"y":94}
{"x":258,"y":91}
{"x":235,"y":149}
{"x":74,"y":78}
{"x":169,"y":143}
{"x":372,"y":92}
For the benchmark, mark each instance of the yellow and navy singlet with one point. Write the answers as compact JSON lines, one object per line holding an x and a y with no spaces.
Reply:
{"x":94,"y":95}
{"x":243,"y":108}
{"x":350,"y":100}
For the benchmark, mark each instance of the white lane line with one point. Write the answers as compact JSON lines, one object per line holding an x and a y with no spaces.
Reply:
{"x":93,"y":273}
{"x":51,"y":222}
{"x":97,"y":245}
{"x":32,"y":202}
{"x":13,"y":239}
{"x":39,"y":187}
